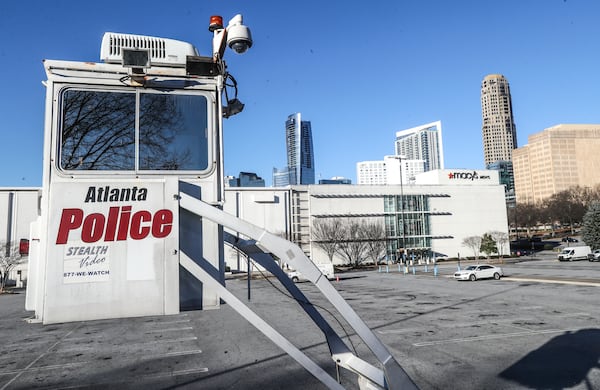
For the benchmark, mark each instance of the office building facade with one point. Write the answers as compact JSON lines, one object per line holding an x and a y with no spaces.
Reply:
{"x":498,"y":126}
{"x":556,"y":159}
{"x":422,"y":143}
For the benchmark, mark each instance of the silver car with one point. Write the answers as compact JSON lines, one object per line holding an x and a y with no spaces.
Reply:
{"x":481,"y":271}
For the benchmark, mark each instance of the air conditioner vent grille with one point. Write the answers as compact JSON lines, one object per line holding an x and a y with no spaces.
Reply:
{"x":162,"y":51}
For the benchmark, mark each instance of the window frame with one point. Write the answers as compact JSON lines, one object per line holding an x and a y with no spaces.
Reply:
{"x":210,"y":131}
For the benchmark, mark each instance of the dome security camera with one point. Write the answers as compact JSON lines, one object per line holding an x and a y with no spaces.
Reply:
{"x":239,"y":38}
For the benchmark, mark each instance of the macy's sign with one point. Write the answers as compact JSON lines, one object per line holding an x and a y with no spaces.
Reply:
{"x":467,"y":176}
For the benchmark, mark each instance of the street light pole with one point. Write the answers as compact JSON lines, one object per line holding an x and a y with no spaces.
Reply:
{"x":402,"y":211}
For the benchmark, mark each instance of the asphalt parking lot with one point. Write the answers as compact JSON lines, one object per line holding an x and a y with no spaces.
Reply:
{"x":536,"y":328}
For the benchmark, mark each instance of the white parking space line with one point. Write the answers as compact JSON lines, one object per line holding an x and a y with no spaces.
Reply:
{"x":493,"y":337}
{"x":190,"y":371}
{"x":42,"y":368}
{"x":571,"y":282}
{"x":169,"y":330}
{"x":172,"y":322}
{"x":179,"y":340}
{"x":175,"y":373}
{"x":184,"y":353}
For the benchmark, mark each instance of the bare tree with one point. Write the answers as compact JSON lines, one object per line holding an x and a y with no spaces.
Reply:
{"x":327,"y":235}
{"x":501,"y":239}
{"x":474,"y":243}
{"x":353,"y":245}
{"x":9,"y":259}
{"x":374,"y":232}
{"x":528,"y":215}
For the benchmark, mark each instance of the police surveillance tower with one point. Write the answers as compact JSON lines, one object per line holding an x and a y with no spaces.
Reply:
{"x":130,"y":221}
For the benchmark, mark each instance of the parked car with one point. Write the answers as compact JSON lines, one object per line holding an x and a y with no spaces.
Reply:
{"x":569,"y":239}
{"x":296,"y":276}
{"x":326,"y":269}
{"x":594,"y":256}
{"x":481,"y":271}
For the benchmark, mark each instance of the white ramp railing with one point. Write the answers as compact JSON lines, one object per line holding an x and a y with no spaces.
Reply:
{"x":391,"y":377}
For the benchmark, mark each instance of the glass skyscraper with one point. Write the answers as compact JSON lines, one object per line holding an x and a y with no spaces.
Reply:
{"x":300,"y":157}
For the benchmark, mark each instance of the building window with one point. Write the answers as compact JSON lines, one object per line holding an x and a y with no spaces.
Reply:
{"x":407,"y":224}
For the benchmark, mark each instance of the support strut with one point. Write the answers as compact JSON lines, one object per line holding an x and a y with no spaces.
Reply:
{"x":260,"y":241}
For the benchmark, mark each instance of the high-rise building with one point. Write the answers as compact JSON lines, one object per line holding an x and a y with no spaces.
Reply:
{"x":556,"y":159}
{"x":300,"y":156}
{"x":498,"y":126}
{"x":507,"y":178}
{"x":281,"y":177}
{"x":422,"y":143}
{"x":392,"y":170}
{"x":246,"y":179}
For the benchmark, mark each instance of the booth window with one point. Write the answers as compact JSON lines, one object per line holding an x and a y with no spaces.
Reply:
{"x":133,"y":131}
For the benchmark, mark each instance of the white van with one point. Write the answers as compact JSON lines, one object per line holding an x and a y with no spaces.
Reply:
{"x":574,"y":253}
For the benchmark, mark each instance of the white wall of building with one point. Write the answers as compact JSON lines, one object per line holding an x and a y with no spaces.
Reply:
{"x":267,"y":208}
{"x":371,"y":172}
{"x":18,"y":209}
{"x":460,"y":207}
{"x":462,"y":210}
{"x":392,"y":170}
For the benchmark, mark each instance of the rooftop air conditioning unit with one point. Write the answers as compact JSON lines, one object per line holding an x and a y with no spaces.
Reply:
{"x":162,"y":51}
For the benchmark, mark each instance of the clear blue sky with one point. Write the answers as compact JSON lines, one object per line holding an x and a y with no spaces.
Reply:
{"x":359,"y":71}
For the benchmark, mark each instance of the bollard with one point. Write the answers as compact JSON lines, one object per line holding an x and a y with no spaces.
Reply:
{"x":426,"y":268}
{"x":435,"y":270}
{"x":414,"y":270}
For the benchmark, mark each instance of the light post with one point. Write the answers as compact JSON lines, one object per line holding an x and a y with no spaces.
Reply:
{"x":404,"y":257}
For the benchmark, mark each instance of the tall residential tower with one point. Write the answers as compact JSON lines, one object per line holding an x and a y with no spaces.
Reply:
{"x":422,"y":143}
{"x":498,"y":126}
{"x":498,"y":130}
